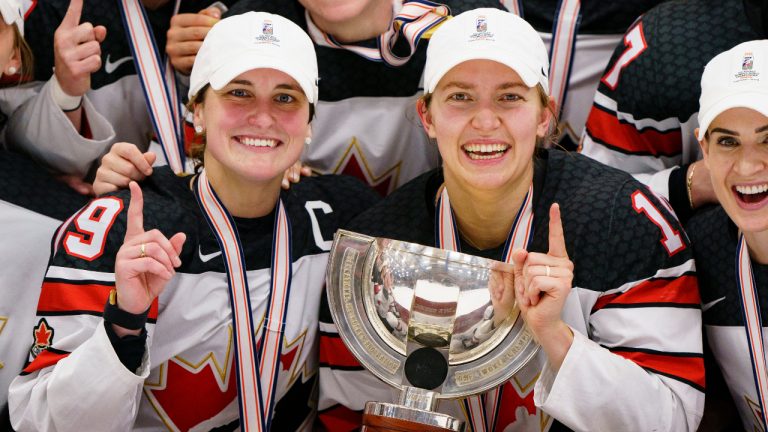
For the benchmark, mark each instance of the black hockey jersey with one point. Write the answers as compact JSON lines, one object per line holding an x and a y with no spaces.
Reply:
{"x":714,"y":237}
{"x":634,"y":297}
{"x":644,"y":112}
{"x":187,"y":378}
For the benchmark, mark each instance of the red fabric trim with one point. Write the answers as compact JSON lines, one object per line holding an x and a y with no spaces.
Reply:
{"x":339,"y":419}
{"x":65,"y":297}
{"x":690,"y":369}
{"x":680,"y":291}
{"x":43,"y":360}
{"x":333,"y":352}
{"x":606,"y":127}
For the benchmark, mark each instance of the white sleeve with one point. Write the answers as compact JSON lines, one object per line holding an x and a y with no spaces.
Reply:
{"x":41,"y":129}
{"x":88,"y":390}
{"x":629,"y":398}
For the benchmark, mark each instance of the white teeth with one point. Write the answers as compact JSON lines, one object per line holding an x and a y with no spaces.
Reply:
{"x":485,"y":148}
{"x":475,"y":156}
{"x":256,"y":142}
{"x":752,"y":190}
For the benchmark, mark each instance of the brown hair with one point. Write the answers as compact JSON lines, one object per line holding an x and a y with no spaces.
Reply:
{"x":197,"y":147}
{"x":555,"y":128}
{"x":25,"y":54}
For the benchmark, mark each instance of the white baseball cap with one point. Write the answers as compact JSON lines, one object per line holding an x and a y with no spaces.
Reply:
{"x":487,"y":34}
{"x":13,"y":13}
{"x":255,"y":40}
{"x":737,"y":78}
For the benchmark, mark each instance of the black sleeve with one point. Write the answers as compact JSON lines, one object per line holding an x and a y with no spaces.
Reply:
{"x":678,"y":193}
{"x":129,"y":349}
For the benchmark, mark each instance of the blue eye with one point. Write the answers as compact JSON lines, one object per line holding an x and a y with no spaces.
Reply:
{"x":284,"y":98}
{"x":238,"y":92}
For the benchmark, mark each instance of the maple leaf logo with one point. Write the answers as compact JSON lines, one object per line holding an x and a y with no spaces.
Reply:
{"x":354,"y":163}
{"x":43,"y":336}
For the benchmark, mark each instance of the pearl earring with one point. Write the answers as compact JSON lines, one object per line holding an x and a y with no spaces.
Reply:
{"x":12,"y":70}
{"x":307,"y":141}
{"x":198,"y":129}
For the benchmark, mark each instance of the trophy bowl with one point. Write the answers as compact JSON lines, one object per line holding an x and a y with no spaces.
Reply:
{"x":433,"y":323}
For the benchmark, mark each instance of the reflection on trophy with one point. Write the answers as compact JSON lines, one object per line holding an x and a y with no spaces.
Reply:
{"x":433,"y":323}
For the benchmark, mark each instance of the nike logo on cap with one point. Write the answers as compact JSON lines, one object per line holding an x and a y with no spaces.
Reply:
{"x":706,"y":306}
{"x":207,"y":257}
{"x":110,"y":67}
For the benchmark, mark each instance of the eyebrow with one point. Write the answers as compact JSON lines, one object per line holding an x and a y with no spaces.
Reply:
{"x":730,"y":132}
{"x":279,"y":86}
{"x":504,"y":86}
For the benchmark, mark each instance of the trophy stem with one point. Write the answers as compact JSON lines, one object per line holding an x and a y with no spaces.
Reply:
{"x":415,"y":413}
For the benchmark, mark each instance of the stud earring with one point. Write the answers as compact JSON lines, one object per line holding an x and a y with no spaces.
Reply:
{"x":198,"y":129}
{"x":12,"y":70}
{"x":307,"y":141}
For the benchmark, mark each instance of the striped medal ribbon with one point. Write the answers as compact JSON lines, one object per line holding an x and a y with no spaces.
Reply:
{"x":257,"y":367}
{"x":415,"y":19}
{"x":752,"y":324}
{"x":561,"y":51}
{"x":157,"y":81}
{"x":482,"y":410}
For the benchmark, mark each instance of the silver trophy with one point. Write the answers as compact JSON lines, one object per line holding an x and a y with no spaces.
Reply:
{"x":434,"y":324}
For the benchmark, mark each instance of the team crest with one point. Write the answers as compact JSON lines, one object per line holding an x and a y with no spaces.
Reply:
{"x":266,"y":28}
{"x":747,"y":62}
{"x":481,"y":30}
{"x":481,"y":24}
{"x":43,"y":336}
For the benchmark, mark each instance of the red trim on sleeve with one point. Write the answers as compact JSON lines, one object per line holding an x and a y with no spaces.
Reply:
{"x":66,"y":297}
{"x":43,"y":360}
{"x":687,"y":368}
{"x":339,"y":419}
{"x":606,"y":128}
{"x":333,"y":352}
{"x":679,"y":291}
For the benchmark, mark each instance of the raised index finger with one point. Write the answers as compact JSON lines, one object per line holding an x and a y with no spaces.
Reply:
{"x":135,"y":223}
{"x":556,"y":235}
{"x":72,"y":17}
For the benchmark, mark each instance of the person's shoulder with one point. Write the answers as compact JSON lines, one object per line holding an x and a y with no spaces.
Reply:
{"x":706,"y":222}
{"x":343,"y":192}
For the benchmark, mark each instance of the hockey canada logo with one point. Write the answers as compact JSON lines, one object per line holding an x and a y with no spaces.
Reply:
{"x":748,"y":62}
{"x":267,"y":34}
{"x":747,"y":70}
{"x":481,"y":30}
{"x":43,"y":335}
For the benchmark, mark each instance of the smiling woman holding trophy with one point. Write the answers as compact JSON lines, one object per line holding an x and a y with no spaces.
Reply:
{"x":603,"y":276}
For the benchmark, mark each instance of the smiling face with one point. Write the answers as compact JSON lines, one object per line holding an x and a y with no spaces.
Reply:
{"x":255,"y":126}
{"x":486,"y":122}
{"x":736,"y":153}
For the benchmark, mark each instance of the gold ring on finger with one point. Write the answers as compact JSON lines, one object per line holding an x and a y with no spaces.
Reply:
{"x":549,"y":271}
{"x":143,"y":251}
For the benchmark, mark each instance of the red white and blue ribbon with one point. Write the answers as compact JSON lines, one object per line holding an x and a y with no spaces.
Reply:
{"x":256,"y":367}
{"x":412,"y":21}
{"x":753,"y":324}
{"x":482,"y":410}
{"x":157,"y":81}
{"x":564,"y":30}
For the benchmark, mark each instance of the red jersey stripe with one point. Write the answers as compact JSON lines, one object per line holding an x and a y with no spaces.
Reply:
{"x":57,"y":297}
{"x":687,"y":368}
{"x":43,"y":360}
{"x":679,"y":291}
{"x":333,"y":352}
{"x":606,"y":128}
{"x":340,"y":418}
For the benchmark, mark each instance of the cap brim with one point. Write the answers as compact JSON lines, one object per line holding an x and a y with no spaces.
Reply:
{"x":516,"y":63}
{"x":233,"y":68}
{"x":11,"y":16}
{"x":751,"y":99}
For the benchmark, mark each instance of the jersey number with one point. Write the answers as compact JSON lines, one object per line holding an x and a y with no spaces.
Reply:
{"x":672,"y":240}
{"x":635,"y":43}
{"x":92,"y":225}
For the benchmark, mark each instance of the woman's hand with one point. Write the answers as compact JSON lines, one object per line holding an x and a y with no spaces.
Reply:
{"x":145,"y":261}
{"x":542,"y":284}
{"x":123,"y":163}
{"x":294,"y":173}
